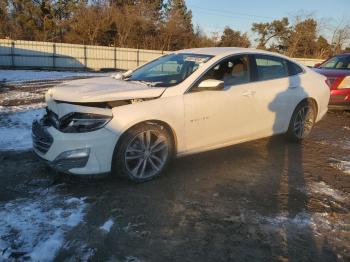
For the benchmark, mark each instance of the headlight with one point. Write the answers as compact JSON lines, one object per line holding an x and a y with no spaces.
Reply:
{"x":82,"y":122}
{"x":345,"y":83}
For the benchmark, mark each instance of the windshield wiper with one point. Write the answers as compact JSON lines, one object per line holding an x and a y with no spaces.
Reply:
{"x":147,"y":83}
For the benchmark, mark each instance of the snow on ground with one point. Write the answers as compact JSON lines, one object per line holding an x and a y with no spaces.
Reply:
{"x":302,"y":219}
{"x":107,"y":225}
{"x":347,"y":145}
{"x":320,"y":224}
{"x":34,"y":229}
{"x":341,"y":165}
{"x":20,"y":108}
{"x":15,"y":95}
{"x":30,"y":75}
{"x":344,"y":164}
{"x":322,"y":188}
{"x":334,"y":226}
{"x":15,"y":126}
{"x":316,"y":220}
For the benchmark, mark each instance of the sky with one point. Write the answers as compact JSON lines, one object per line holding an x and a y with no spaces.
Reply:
{"x":214,"y":15}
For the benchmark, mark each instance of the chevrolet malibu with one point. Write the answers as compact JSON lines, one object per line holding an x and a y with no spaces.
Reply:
{"x":182,"y":103}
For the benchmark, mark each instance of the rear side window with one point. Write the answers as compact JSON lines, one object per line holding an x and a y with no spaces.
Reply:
{"x":294,"y":69}
{"x":269,"y":67}
{"x":337,"y":62}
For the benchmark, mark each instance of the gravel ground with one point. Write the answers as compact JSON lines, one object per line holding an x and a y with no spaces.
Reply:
{"x":266,"y":200}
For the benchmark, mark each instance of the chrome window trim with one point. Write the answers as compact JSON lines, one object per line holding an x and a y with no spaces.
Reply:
{"x":188,"y":90}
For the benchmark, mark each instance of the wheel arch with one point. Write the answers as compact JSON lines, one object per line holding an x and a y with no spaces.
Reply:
{"x":167,"y":126}
{"x":310,"y":100}
{"x":313,"y":102}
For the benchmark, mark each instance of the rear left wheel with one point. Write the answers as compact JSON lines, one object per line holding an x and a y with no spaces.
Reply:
{"x":302,"y":121}
{"x":143,"y":152}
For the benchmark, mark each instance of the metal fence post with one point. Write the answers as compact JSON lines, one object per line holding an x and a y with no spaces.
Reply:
{"x":13,"y":53}
{"x":85,"y":56}
{"x":115,"y":57}
{"x":53,"y":55}
{"x":138,"y":57}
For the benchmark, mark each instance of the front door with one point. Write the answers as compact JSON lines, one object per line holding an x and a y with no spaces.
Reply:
{"x":224,"y":116}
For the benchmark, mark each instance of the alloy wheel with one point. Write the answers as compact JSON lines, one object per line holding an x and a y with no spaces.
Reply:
{"x":303,"y":122}
{"x":146,"y":154}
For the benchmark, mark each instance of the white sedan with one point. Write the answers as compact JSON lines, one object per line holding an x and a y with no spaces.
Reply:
{"x":182,"y":103}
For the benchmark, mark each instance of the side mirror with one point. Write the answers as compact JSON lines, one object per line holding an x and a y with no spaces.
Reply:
{"x":317,"y":65}
{"x":211,"y":85}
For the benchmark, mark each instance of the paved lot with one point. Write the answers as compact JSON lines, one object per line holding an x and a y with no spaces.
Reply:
{"x":266,"y":200}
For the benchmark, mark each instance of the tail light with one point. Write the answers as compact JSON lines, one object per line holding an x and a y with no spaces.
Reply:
{"x":345,"y":83}
{"x":334,"y":82}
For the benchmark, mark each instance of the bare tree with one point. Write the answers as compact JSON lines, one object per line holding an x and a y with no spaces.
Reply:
{"x":302,"y":40}
{"x":88,"y":23}
{"x":340,"y":37}
{"x":158,"y":24}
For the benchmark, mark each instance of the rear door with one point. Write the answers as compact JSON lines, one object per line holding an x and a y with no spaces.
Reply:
{"x":277,"y":90}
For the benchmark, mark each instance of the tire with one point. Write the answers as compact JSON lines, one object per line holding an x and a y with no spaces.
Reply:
{"x":143,"y":152}
{"x":302,"y":121}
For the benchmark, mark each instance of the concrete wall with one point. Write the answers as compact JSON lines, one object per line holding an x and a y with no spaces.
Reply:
{"x":32,"y":54}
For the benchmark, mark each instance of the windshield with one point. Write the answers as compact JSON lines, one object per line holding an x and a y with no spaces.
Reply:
{"x":168,"y":70}
{"x":337,"y":62}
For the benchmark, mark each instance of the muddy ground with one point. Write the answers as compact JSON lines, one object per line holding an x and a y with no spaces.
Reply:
{"x":266,"y":200}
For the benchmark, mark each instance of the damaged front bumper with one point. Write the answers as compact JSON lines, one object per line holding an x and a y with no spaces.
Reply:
{"x":74,"y":153}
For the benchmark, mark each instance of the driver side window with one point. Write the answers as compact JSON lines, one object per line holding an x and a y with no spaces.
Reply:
{"x":232,"y":71}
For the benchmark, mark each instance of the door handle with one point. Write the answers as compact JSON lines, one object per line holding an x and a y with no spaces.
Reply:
{"x":248,"y":93}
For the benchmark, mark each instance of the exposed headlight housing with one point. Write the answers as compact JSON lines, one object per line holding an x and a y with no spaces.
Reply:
{"x":82,"y":122}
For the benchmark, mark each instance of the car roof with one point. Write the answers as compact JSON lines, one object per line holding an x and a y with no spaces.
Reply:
{"x":344,"y":54}
{"x":214,"y":51}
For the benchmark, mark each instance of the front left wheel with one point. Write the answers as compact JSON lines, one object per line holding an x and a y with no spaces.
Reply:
{"x":143,"y":152}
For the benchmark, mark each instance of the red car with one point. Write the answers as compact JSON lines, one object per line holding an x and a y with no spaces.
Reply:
{"x":337,"y":71}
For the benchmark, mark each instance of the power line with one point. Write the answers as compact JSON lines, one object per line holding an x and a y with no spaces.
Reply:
{"x":228,"y":16}
{"x":230,"y":12}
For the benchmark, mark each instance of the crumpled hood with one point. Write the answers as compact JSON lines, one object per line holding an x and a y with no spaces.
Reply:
{"x":102,"y":89}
